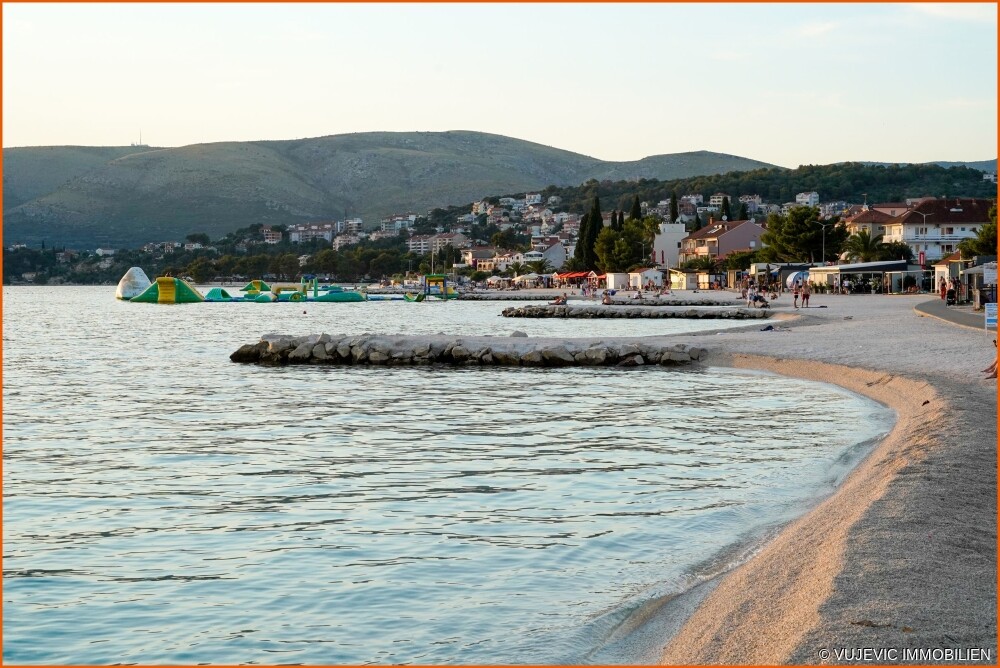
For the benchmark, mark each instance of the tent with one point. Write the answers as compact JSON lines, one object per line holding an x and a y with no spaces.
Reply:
{"x":526,"y":277}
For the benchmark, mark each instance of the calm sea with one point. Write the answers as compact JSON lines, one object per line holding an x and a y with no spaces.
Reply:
{"x":164,"y":505}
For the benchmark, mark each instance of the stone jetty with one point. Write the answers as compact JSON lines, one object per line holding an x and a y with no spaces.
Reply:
{"x":616,"y":311}
{"x":515,"y":350}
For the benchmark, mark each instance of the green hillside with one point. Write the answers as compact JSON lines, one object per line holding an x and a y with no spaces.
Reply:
{"x":35,"y":171}
{"x":88,"y":197}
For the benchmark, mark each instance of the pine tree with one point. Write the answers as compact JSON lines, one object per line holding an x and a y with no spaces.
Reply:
{"x":673,"y":207}
{"x":636,"y":212}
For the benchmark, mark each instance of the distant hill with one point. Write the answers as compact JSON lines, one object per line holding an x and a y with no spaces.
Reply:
{"x":86,"y":197}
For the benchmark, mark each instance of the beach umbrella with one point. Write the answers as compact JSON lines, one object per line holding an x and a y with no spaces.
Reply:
{"x":797,"y":276}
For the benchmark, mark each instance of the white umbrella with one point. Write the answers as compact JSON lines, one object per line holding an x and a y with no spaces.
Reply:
{"x":797,"y":276}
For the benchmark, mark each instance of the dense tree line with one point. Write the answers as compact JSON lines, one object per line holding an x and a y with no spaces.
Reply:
{"x":850,"y":181}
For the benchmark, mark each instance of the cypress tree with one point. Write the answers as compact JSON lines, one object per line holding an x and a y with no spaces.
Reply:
{"x":581,"y":239}
{"x":593,"y":229}
{"x":673,"y":207}
{"x":621,"y":221}
{"x":744,"y":212}
{"x":614,"y":222}
{"x":726,"y":212}
{"x":636,"y":212}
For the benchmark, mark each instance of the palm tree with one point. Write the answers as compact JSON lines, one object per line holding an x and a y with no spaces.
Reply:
{"x":518,"y":268}
{"x":705,"y":263}
{"x":862,"y":247}
{"x":542,"y":266}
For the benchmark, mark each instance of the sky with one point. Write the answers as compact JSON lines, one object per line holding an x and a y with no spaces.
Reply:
{"x":788,"y":84}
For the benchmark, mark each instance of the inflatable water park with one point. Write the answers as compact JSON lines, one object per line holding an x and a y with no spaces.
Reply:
{"x":135,"y":286}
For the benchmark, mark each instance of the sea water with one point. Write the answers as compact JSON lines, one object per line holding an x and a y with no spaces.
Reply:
{"x":164,"y":505}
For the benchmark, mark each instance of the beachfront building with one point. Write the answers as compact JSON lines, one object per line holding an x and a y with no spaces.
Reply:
{"x":667,"y":244}
{"x":645,"y":277}
{"x":617,"y":280}
{"x":683,"y":279}
{"x":934,"y":227}
{"x":719,"y":238}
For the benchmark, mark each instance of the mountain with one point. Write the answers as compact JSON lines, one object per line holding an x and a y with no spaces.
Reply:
{"x":86,"y":197}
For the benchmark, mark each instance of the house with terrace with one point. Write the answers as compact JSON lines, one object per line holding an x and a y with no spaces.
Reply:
{"x":935,"y":226}
{"x":720,"y":238}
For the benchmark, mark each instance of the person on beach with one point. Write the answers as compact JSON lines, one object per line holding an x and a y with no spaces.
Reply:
{"x":991,"y":370}
{"x":606,"y":299}
{"x":942,"y":287}
{"x":796,"y":289}
{"x":806,"y":291}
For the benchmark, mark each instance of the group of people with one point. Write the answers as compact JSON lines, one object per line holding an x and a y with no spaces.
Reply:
{"x":753,"y":297}
{"x":944,"y":285}
{"x":801,"y":289}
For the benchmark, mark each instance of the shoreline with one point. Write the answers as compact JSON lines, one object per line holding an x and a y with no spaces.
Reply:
{"x":903,"y":553}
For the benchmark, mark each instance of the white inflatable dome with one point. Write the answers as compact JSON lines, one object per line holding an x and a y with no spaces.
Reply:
{"x":133,"y":283}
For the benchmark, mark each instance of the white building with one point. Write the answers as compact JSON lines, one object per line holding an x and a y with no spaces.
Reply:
{"x":667,"y":244}
{"x":309,"y":231}
{"x":807,"y":199}
{"x":716,"y":199}
{"x":935,"y":227}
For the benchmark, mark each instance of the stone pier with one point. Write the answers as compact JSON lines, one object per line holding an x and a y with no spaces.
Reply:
{"x":515,"y":350}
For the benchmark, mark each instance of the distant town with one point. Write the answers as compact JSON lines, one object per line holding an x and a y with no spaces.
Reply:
{"x":511,"y":236}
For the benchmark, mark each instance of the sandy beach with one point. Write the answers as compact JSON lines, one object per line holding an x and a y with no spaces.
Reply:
{"x":903,"y":555}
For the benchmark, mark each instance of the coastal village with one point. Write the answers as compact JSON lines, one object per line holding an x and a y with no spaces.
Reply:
{"x":690,"y":243}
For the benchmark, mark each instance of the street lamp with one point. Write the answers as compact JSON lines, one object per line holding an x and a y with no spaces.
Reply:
{"x":824,"y":226}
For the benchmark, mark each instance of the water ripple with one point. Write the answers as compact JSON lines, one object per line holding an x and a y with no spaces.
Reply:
{"x":167,"y":506}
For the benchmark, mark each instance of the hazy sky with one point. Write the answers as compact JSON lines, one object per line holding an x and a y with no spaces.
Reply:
{"x":783,"y":83}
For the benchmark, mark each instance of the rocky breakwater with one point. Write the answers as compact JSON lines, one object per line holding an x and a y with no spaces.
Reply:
{"x":516,"y":350}
{"x":614,"y":311}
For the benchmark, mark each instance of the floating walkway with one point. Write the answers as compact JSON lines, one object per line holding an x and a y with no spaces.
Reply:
{"x":515,"y":350}
{"x":617,"y":311}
